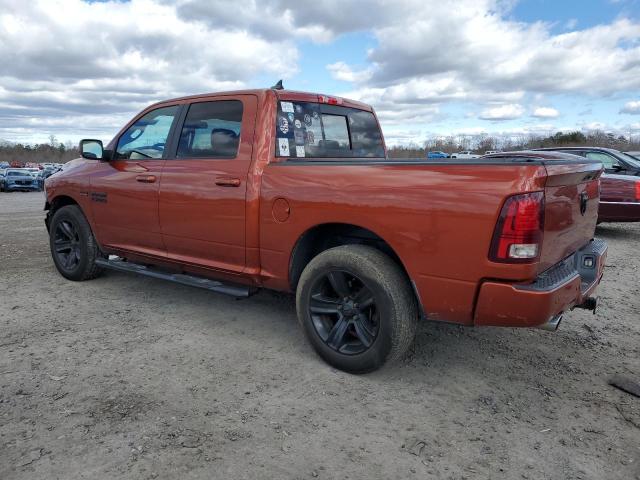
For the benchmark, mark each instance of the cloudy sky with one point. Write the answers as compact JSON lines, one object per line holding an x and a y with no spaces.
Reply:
{"x":77,"y":69}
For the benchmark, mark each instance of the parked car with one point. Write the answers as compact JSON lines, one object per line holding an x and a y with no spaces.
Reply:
{"x":635,"y":155}
{"x":16,"y":179}
{"x":491,"y":152}
{"x":5,"y":165}
{"x":2,"y":174}
{"x":614,"y":161}
{"x":619,"y":198}
{"x":465,"y":154}
{"x":437,"y":154}
{"x":310,"y":204}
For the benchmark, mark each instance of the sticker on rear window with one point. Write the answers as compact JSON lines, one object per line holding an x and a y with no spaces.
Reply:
{"x":283,"y":144}
{"x":283,"y":125}
{"x":299,"y":151}
{"x":286,"y":107}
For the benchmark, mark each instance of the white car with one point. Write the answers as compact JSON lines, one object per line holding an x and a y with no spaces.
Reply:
{"x":465,"y":154}
{"x":489,"y":152}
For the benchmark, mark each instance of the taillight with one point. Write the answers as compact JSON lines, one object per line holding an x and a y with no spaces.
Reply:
{"x":518,"y":234}
{"x":330,"y":100}
{"x":638,"y":191}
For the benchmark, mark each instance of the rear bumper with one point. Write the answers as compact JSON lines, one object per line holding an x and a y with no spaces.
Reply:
{"x":565,"y":285}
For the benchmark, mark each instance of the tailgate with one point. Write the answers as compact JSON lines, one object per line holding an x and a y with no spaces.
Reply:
{"x":572,"y":194}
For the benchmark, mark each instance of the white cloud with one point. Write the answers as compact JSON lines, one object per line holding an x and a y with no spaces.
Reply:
{"x":545,"y":112}
{"x":342,"y":71}
{"x":69,"y":60}
{"x":632,"y":108}
{"x":502,"y":112}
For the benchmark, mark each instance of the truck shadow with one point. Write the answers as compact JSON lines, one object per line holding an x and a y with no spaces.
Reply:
{"x":621,"y":231}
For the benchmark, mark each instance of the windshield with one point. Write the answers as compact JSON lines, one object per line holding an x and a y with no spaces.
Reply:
{"x":629,"y":159}
{"x":17,"y":173}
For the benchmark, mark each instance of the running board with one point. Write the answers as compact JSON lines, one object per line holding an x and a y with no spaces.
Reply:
{"x":116,"y":263}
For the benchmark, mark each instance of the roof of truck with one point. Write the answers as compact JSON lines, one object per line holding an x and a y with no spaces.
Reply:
{"x":286,"y":95}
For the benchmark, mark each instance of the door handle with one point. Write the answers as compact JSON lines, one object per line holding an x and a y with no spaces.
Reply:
{"x":146,"y":178}
{"x":228,"y":182}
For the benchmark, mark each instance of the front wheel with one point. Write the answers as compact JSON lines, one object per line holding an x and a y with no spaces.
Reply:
{"x":73,"y":246}
{"x":357,"y":308}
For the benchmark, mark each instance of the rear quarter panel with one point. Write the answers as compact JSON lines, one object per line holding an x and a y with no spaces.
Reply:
{"x":439,"y":219}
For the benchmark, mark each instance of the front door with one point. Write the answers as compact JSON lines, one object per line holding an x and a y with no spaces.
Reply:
{"x":124,"y":191}
{"x":203,"y":188}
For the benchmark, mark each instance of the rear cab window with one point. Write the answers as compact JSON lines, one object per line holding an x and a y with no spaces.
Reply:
{"x":315,"y":130}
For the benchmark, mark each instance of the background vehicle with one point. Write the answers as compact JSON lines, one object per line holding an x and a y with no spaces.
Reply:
{"x":437,"y":154}
{"x":635,"y":155}
{"x":491,"y":152}
{"x":614,"y":161}
{"x":619,"y":198}
{"x":465,"y":154}
{"x":292,"y":191}
{"x":19,"y":180}
{"x":3,"y":171}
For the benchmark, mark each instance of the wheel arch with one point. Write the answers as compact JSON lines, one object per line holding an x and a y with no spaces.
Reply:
{"x":57,"y":203}
{"x":321,"y":237}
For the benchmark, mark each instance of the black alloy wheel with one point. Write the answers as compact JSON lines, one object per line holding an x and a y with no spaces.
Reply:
{"x":344,"y":312}
{"x":67,"y":245}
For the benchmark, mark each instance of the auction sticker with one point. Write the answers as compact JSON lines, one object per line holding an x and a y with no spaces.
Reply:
{"x":299,"y":151}
{"x":283,"y":124}
{"x":286,"y":107}
{"x":283,"y":144}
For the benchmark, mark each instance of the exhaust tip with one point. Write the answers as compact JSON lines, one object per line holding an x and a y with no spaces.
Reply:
{"x":552,"y":324}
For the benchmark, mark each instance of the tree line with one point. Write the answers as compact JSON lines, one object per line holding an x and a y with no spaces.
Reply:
{"x":57,"y":152}
{"x":52,"y":152}
{"x":481,"y":143}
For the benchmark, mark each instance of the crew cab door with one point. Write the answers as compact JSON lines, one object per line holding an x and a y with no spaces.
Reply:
{"x":202,"y":194}
{"x":124,"y":191}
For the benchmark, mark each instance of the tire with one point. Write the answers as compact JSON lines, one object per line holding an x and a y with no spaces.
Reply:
{"x":351,"y":336}
{"x":73,"y":247}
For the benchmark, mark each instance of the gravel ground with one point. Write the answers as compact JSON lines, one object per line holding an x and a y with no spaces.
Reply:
{"x":130,"y":377}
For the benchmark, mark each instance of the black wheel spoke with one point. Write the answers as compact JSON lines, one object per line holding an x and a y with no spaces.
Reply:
{"x":364,"y":331}
{"x":323,"y":305}
{"x":62,"y":246}
{"x":67,"y":230}
{"x":363,"y":298}
{"x":338,"y":281}
{"x":337,"y":334}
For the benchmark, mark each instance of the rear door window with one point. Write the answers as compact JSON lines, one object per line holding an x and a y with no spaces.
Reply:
{"x":211,"y":130}
{"x":313,"y":130}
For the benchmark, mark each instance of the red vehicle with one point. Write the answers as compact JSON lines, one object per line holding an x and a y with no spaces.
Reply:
{"x":293,"y":191}
{"x":619,"y":198}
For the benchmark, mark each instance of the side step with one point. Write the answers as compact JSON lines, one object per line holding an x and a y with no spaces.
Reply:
{"x":116,"y":263}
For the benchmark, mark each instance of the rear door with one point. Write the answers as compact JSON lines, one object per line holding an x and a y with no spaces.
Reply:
{"x":124,"y":191}
{"x":203,"y":188}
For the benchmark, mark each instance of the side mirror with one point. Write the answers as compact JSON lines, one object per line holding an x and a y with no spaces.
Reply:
{"x":91,"y":149}
{"x":617,"y":167}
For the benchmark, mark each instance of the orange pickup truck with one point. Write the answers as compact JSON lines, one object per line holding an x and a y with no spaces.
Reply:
{"x":293,"y":191}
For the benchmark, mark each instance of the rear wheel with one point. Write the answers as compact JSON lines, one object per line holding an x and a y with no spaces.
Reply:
{"x":357,"y":308}
{"x":73,"y":246}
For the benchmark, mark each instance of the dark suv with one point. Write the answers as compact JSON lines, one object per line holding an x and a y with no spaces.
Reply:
{"x":614,"y":161}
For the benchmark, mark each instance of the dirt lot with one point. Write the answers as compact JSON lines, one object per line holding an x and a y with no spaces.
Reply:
{"x":129,"y":377}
